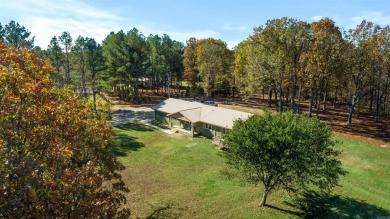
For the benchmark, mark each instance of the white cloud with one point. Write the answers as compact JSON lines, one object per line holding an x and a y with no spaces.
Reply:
{"x":375,"y":17}
{"x":231,"y":44}
{"x":48,"y":18}
{"x":316,"y":18}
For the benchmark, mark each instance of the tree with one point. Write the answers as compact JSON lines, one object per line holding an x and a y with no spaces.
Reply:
{"x":17,"y":36}
{"x":211,"y":58}
{"x":189,"y":61}
{"x":322,"y":61}
{"x":1,"y":33}
{"x":56,"y":58}
{"x":55,"y":159}
{"x":66,"y":41}
{"x":155,"y":59}
{"x":359,"y":62}
{"x":95,"y":63}
{"x":126,"y":59}
{"x":80,"y":50}
{"x":285,"y":150}
{"x":273,"y":58}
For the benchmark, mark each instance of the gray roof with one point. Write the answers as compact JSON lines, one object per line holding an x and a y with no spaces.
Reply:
{"x":198,"y":112}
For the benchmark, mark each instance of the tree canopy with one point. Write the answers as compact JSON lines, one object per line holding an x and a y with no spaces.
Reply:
{"x":286,"y":151}
{"x":17,"y":36}
{"x":55,"y":158}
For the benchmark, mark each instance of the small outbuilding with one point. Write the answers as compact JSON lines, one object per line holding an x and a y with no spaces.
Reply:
{"x":197,"y":118}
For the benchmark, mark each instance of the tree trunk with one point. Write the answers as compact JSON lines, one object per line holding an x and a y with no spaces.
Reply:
{"x":276,"y":99}
{"x":136,"y":91}
{"x":318,"y":96}
{"x":324,"y":101}
{"x":309,"y":113}
{"x":385,"y":99}
{"x":270,"y":97}
{"x":264,"y":199}
{"x":292,"y":100}
{"x":351,"y":109}
{"x":372,"y":94}
{"x":335,"y":95}
{"x":263,"y":93}
{"x":378,"y":104}
{"x":287,"y":95}
{"x":280,"y":94}
{"x":299,"y":97}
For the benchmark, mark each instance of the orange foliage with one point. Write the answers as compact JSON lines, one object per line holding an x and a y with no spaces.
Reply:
{"x":54,"y":153}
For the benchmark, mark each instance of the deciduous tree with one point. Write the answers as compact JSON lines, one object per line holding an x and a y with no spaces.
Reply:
{"x":190,"y":70}
{"x":286,"y":151}
{"x":55,"y":159}
{"x":322,"y":61}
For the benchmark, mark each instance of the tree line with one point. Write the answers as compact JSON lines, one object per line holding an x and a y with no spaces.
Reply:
{"x":287,"y":60}
{"x":292,"y":60}
{"x":124,"y":63}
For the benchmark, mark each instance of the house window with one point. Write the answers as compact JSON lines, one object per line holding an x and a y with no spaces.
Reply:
{"x":208,"y":126}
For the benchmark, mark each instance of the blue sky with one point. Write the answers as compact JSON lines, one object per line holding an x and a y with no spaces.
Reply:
{"x":231,"y":20}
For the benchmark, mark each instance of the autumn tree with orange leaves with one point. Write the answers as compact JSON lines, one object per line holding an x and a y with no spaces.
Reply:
{"x":55,"y":158}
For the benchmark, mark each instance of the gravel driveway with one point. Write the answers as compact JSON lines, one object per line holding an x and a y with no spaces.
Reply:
{"x":125,"y":114}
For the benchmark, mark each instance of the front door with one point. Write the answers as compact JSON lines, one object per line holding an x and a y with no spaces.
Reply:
{"x":188,"y":126}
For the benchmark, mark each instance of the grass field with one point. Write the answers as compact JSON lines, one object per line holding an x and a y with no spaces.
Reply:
{"x":174,"y":176}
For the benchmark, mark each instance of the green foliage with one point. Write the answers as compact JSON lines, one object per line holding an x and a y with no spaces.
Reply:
{"x":66,"y":41}
{"x":17,"y":36}
{"x":285,"y":150}
{"x":207,"y":64}
{"x":134,"y":61}
{"x":269,"y":59}
{"x":56,"y":58}
{"x":225,"y":88}
{"x":2,"y":31}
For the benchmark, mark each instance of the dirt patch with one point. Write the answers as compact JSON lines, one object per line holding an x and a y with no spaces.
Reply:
{"x":178,"y":135}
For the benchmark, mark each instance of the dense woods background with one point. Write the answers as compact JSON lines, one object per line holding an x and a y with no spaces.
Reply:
{"x":285,"y":61}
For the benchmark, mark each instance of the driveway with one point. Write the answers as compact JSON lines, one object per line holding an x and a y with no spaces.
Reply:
{"x":125,"y":114}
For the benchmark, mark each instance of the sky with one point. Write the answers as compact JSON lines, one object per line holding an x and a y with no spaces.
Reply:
{"x":232,"y":21}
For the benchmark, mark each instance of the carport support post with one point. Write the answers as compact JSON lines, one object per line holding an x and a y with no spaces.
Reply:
{"x":192,"y":129}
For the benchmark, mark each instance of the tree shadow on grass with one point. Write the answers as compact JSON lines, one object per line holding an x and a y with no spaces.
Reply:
{"x":134,"y":126}
{"x":315,"y":205}
{"x":283,"y":210}
{"x":166,"y":211}
{"x":122,"y":143}
{"x":351,"y":208}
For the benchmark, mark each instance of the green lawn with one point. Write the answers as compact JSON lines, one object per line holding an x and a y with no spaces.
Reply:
{"x":182,"y":177}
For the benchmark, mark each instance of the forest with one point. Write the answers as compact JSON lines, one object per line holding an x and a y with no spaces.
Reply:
{"x":286,"y":61}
